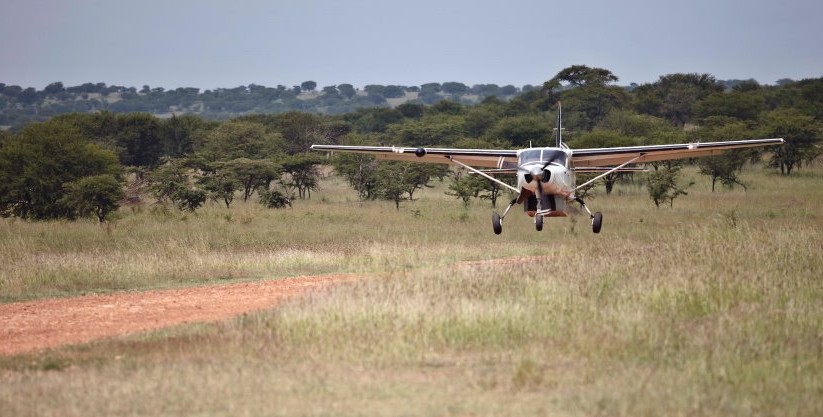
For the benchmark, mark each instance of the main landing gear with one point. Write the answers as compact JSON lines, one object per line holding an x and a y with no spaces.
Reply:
{"x":597,"y":217}
{"x":497,"y":220}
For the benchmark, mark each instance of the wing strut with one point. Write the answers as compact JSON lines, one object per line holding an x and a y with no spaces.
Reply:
{"x":487,"y":176}
{"x":608,"y":172}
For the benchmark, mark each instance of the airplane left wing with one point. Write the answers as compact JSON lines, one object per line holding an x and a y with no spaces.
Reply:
{"x":595,"y":157}
{"x":485,"y":158}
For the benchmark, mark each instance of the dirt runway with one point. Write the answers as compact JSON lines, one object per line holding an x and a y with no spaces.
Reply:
{"x":35,"y":325}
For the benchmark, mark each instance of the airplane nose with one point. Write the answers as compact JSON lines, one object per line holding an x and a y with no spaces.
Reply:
{"x":535,"y":171}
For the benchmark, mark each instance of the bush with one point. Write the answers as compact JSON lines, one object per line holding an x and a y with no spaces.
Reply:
{"x":274,"y":199}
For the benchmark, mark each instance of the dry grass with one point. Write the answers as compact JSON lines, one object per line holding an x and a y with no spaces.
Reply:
{"x":713,"y":307}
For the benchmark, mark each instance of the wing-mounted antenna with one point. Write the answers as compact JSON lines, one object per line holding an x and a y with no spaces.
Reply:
{"x":558,"y":138}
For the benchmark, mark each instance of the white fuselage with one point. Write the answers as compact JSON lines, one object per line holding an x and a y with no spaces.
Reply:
{"x":545,"y":171}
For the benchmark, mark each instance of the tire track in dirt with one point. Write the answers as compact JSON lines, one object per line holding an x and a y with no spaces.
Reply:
{"x":32,"y":326}
{"x":41,"y":324}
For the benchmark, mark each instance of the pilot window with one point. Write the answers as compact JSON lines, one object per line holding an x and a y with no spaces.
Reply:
{"x":543,"y":155}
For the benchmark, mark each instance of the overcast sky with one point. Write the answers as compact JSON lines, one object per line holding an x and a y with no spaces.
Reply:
{"x":228,"y":43}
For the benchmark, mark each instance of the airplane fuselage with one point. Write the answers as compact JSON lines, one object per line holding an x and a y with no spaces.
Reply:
{"x":545,"y":174}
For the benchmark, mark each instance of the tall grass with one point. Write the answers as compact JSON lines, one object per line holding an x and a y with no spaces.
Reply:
{"x":712,"y":307}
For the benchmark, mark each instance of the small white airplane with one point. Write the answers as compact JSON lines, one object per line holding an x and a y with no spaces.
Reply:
{"x":546,"y":176}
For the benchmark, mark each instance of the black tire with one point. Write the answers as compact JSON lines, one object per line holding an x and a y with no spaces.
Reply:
{"x":538,"y":222}
{"x":497,"y":225}
{"x":597,"y":222}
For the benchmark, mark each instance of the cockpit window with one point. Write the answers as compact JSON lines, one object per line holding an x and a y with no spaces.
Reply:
{"x":543,"y":155}
{"x":531,"y":155}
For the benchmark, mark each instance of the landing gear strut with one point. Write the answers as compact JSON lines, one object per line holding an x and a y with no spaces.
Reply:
{"x":597,"y":217}
{"x":497,"y":220}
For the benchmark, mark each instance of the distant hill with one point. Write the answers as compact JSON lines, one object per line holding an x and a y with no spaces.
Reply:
{"x":19,"y":106}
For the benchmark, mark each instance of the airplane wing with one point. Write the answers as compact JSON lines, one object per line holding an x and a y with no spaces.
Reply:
{"x":486,"y":158}
{"x":596,"y":157}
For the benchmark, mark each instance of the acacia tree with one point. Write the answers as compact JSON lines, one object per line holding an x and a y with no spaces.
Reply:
{"x":724,"y":168}
{"x":803,"y":135}
{"x":389,"y":184}
{"x":252,"y":174}
{"x":465,"y":187}
{"x":171,"y":182}
{"x":360,"y":171}
{"x":301,"y":173}
{"x":587,"y":94}
{"x":220,"y":185}
{"x":663,"y":186}
{"x":308,"y":86}
{"x":96,"y":195}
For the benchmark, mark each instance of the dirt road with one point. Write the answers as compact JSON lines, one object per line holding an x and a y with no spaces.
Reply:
{"x":36,"y":325}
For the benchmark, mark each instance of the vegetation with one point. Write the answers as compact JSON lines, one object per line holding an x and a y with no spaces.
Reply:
{"x":19,"y":106}
{"x":187,"y":159}
{"x":710,"y":306}
{"x":676,"y":311}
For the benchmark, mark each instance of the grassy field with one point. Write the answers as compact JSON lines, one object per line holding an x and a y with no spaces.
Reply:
{"x":712,"y":307}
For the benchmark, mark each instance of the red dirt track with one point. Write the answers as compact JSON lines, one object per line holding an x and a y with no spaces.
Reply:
{"x":35,"y":325}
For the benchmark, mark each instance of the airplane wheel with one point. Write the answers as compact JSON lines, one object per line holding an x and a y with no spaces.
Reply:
{"x":497,"y":225}
{"x":538,"y":222}
{"x":597,"y":222}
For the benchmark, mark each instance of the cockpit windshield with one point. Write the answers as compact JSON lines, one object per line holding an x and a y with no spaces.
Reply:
{"x":544,"y":155}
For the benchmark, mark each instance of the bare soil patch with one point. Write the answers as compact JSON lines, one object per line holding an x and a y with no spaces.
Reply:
{"x":35,"y":325}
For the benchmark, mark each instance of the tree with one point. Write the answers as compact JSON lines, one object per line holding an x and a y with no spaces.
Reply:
{"x":171,"y":182}
{"x":37,"y":162}
{"x":587,"y":94}
{"x":96,"y":195}
{"x":54,"y":88}
{"x":274,"y":199}
{"x":347,"y":90}
{"x":522,"y":131}
{"x":605,"y":139}
{"x":742,"y":105}
{"x":300,"y":130}
{"x":723,"y":168}
{"x":394,"y":91}
{"x":241,"y":139}
{"x":181,"y":134}
{"x":465,"y":187}
{"x":139,"y":140}
{"x":803,"y":137}
{"x":726,"y":167}
{"x":301,"y":173}
{"x":308,"y":86}
{"x":389,"y":186}
{"x":662,"y":185}
{"x":220,"y":185}
{"x":674,"y":95}
{"x":581,"y":76}
{"x":252,"y":174}
{"x":454,"y":88}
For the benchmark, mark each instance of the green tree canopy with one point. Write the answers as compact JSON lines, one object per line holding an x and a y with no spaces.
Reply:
{"x":36,"y":163}
{"x":96,"y":195}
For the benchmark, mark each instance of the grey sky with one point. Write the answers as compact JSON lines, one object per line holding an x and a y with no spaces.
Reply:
{"x":222,"y":43}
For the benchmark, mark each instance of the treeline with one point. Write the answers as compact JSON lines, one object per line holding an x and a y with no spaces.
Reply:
{"x":20,"y":105}
{"x":75,"y":165}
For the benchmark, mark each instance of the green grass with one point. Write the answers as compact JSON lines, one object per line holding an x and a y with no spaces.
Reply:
{"x":712,"y":307}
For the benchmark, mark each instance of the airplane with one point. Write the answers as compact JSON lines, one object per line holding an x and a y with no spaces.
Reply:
{"x":546,"y":178}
